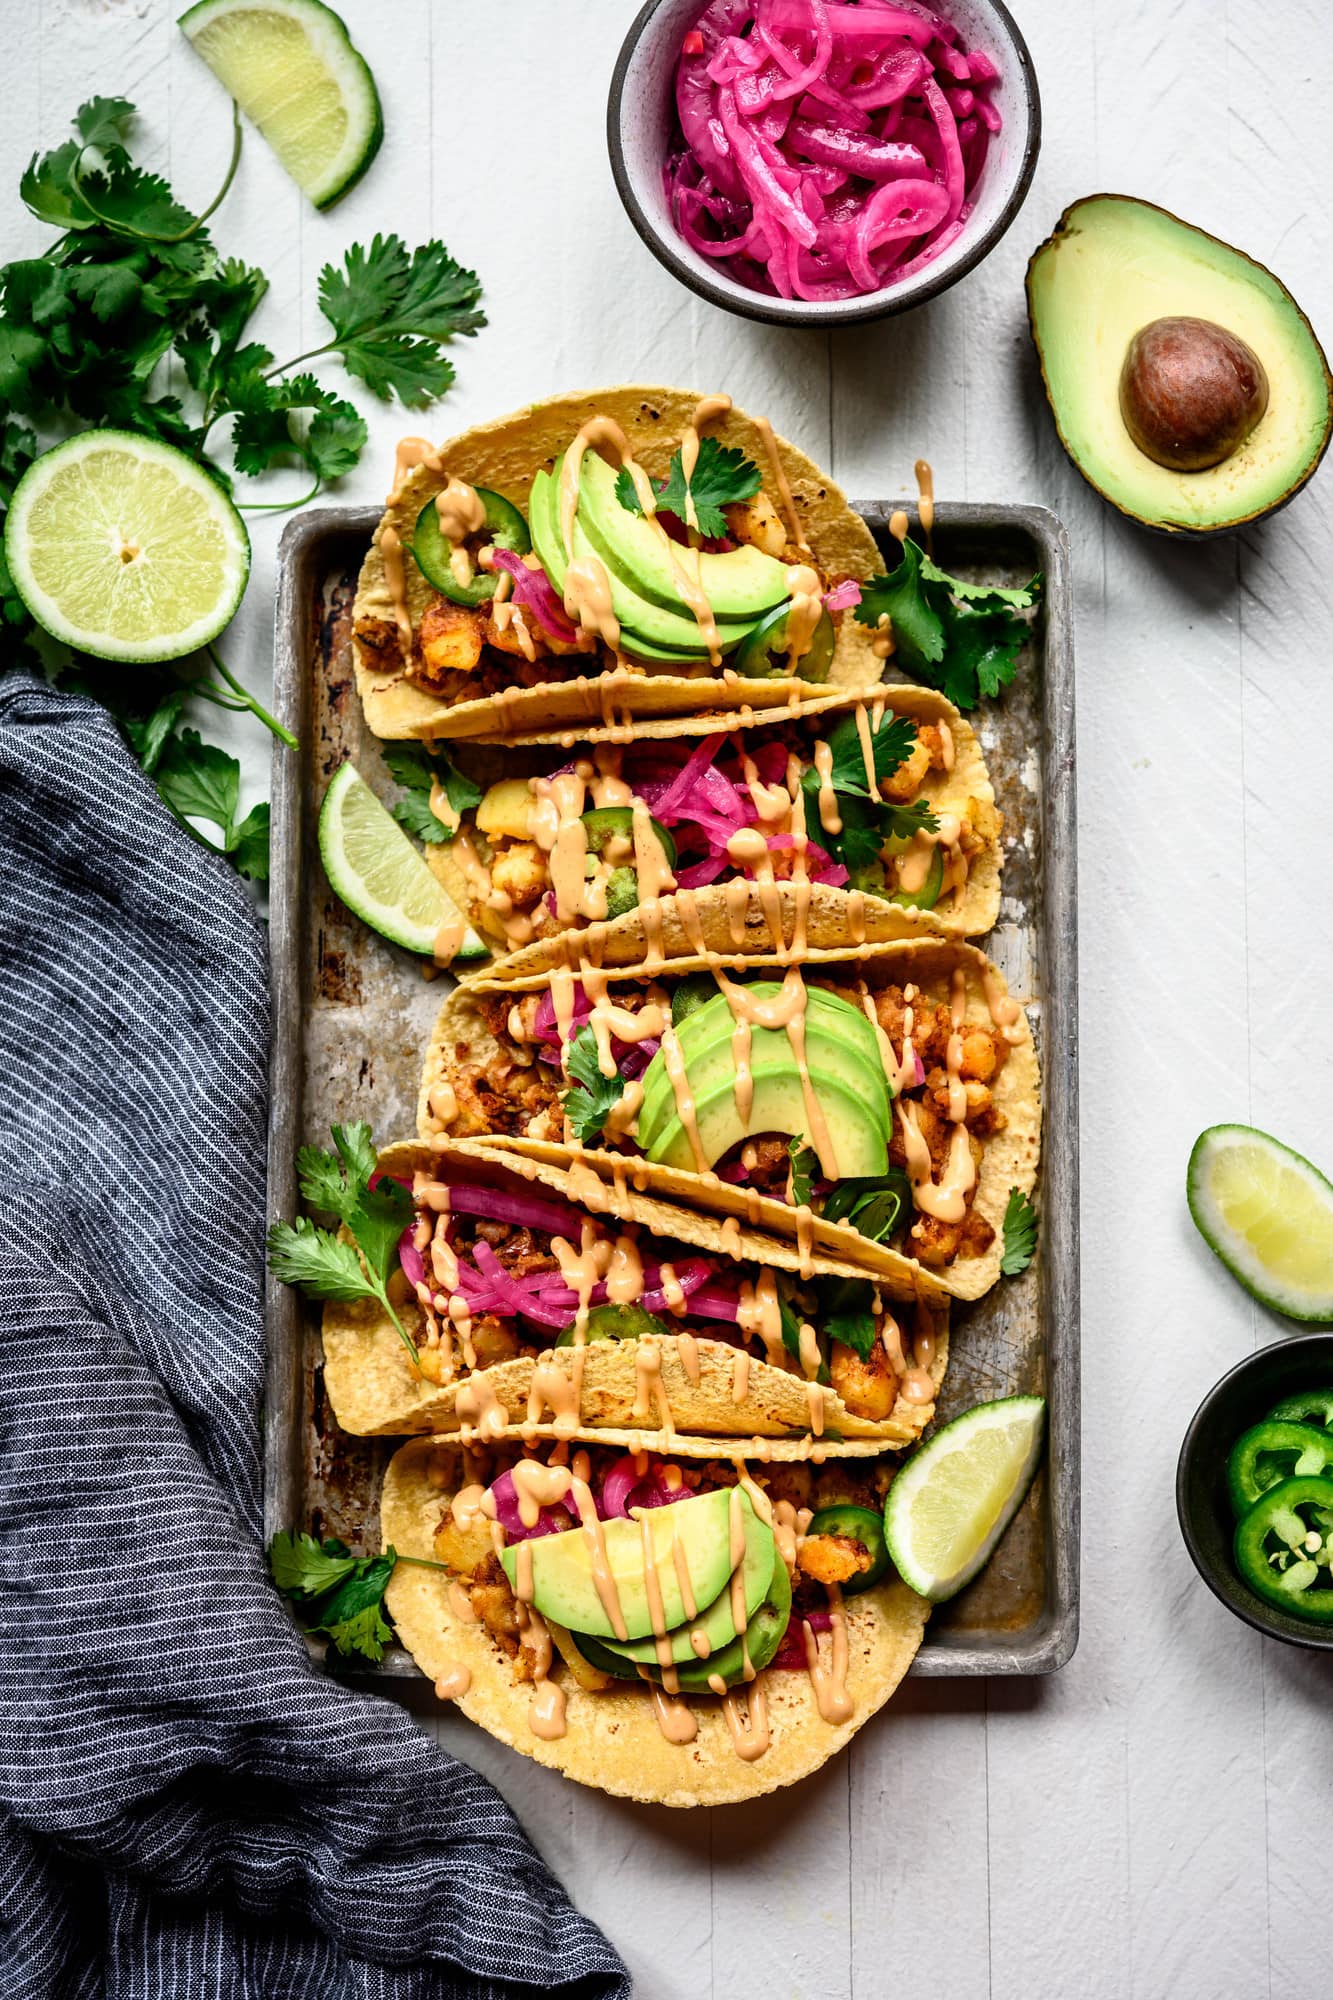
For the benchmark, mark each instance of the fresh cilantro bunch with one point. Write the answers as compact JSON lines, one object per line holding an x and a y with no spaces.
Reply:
{"x":1020,"y":1233}
{"x":589,"y":1103}
{"x":962,"y":638}
{"x":320,"y":1261}
{"x":335,"y":1592}
{"x":419,"y":769}
{"x":133,"y":318}
{"x":722,"y":475}
{"x":868,"y":819}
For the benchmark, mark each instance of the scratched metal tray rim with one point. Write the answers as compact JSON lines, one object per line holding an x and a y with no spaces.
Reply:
{"x":967,"y":533}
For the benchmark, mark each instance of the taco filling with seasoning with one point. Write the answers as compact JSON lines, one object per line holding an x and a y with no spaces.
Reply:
{"x":863,"y":819}
{"x":598,"y":557}
{"x":522,"y":1300}
{"x":666,"y":1627}
{"x":880,"y":1105}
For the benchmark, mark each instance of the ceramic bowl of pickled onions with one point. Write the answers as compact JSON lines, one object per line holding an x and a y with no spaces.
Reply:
{"x":817,"y":162}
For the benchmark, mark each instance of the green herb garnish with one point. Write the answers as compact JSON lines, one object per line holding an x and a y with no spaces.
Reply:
{"x":324,"y":1264}
{"x":804,"y":1167}
{"x":962,"y":638}
{"x":722,"y":476}
{"x":846,"y":1313}
{"x":868,"y":819}
{"x":873,"y":1206}
{"x":419,"y":769}
{"x":589,"y":1103}
{"x":1020,"y":1233}
{"x":133,"y":287}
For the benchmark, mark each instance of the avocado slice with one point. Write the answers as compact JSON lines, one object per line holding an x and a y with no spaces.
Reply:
{"x":763,"y":1636}
{"x":562,"y":1579}
{"x":716,"y":1621}
{"x":841,"y":1049}
{"x":648,"y":631}
{"x":739,"y":583}
{"x":778,"y":1105}
{"x":1114,"y":267}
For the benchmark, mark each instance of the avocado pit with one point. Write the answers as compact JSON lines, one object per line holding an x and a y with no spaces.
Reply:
{"x":1191,"y":392}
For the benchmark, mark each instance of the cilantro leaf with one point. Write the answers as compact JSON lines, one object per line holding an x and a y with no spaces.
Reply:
{"x":891,"y":744}
{"x":963,"y":638}
{"x":902,"y":822}
{"x":1020,"y":1233}
{"x":392,"y":310}
{"x":148,"y":737}
{"x":874,"y":1206}
{"x":418,"y":769}
{"x":804,"y":1167}
{"x":303,"y":1567}
{"x":365,"y":1632}
{"x":248,"y":849}
{"x":722,"y":476}
{"x":325,"y":1266}
{"x":199,"y":781}
{"x":336,"y":1593}
{"x":846,"y":1308}
{"x":103,"y":122}
{"x":588,"y":1104}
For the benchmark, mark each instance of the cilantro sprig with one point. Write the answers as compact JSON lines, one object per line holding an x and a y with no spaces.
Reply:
{"x":336,"y":1593}
{"x":321,"y":1262}
{"x":418,"y":770}
{"x":589,"y":1103}
{"x":963,"y":638}
{"x":132,"y":317}
{"x":1020,"y":1233}
{"x":803,"y":1170}
{"x":722,"y":476}
{"x":846,"y":1313}
{"x":868,"y":819}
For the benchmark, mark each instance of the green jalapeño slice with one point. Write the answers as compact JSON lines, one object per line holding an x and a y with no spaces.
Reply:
{"x":1270,"y":1452}
{"x":763,"y":656}
{"x":1284,"y":1547}
{"x":437,"y":557}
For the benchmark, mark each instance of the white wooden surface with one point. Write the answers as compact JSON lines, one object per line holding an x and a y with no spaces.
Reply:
{"x":1153,"y":1821}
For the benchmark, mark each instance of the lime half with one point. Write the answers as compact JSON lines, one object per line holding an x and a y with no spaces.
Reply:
{"x":291,"y":67}
{"x":955,"y":1497}
{"x":379,"y":874}
{"x":1268,"y":1214}
{"x":125,"y":548}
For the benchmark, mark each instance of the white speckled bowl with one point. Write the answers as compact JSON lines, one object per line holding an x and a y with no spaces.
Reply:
{"x":639,"y":119}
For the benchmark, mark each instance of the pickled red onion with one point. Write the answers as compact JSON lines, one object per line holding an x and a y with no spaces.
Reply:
{"x":790,"y":126}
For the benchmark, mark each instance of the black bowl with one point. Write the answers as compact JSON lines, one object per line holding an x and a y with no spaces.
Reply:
{"x":1244,"y":1397}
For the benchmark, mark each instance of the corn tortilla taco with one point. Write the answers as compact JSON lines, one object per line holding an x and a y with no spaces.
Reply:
{"x":863,"y":819}
{"x":876,"y":1106}
{"x":497,"y":601}
{"x":543,"y":1301}
{"x":798,"y":1623}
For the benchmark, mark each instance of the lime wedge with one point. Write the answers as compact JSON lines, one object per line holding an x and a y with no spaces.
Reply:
{"x":125,"y":548}
{"x":1268,"y":1214}
{"x":379,"y":874}
{"x":291,"y":67}
{"x":955,"y":1497}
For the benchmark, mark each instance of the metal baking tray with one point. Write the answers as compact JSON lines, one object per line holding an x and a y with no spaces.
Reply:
{"x":351,"y":1015}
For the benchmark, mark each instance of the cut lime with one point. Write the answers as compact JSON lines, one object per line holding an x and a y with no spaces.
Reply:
{"x":379,"y":874}
{"x":1268,"y":1214}
{"x":124,"y":547}
{"x":291,"y":67}
{"x":955,"y":1497}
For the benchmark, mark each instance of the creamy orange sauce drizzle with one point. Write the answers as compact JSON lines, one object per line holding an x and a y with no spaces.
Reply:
{"x":759,"y":1311}
{"x":786,"y":499}
{"x":395,"y":576}
{"x":410,"y":453}
{"x":925,"y":483}
{"x":453,"y":1681}
{"x":460,"y":510}
{"x":829,"y":1684}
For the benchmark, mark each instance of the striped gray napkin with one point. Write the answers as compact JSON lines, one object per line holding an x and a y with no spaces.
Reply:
{"x":186,"y":1806}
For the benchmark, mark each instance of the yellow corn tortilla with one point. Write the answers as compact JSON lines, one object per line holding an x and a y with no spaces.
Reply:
{"x":1010,"y":1159}
{"x":376,"y":1391}
{"x":612,"y":1740}
{"x":626,"y":941}
{"x":504,"y":456}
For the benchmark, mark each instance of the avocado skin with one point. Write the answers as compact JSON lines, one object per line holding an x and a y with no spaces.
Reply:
{"x":1179,"y":531}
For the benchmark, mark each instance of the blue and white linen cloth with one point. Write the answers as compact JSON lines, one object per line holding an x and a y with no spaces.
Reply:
{"x":188,"y":1809}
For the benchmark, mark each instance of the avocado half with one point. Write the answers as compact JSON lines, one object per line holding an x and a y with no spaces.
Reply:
{"x":1113,"y":265}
